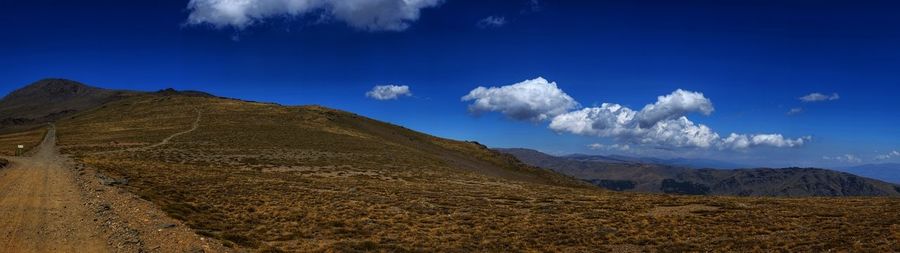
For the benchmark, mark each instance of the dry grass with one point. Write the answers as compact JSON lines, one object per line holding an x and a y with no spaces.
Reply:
{"x":312,"y":179}
{"x":29,"y":138}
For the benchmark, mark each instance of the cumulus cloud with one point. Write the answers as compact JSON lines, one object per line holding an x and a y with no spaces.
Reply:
{"x":491,"y":22}
{"x":369,"y":15}
{"x":817,"y":97}
{"x":889,"y":155}
{"x":662,"y":123}
{"x":674,"y":105}
{"x":795,"y":111}
{"x":388,"y":92}
{"x":534,"y":100}
{"x":849,"y":158}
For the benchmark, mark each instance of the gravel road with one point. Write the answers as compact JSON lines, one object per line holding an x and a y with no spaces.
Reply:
{"x":41,"y":208}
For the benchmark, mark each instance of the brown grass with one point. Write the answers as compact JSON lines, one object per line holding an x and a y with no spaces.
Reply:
{"x":29,"y":138}
{"x":313,"y":179}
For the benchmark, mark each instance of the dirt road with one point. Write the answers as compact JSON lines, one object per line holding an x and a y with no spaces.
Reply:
{"x":41,"y":209}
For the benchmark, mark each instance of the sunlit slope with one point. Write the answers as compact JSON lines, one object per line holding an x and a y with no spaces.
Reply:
{"x":268,"y":134}
{"x":263,"y":176}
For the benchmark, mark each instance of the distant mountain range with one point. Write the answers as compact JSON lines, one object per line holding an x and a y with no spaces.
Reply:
{"x":620,"y":174}
{"x":888,"y":172}
{"x":695,"y":163}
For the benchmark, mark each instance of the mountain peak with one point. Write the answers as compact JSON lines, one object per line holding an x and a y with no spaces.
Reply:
{"x":51,"y":87}
{"x":50,"y":99}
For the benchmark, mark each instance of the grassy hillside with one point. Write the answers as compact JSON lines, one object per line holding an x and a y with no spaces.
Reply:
{"x":314,"y":179}
{"x":28,"y":138}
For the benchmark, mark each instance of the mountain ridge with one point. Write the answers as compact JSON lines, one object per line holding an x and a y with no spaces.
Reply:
{"x":740,"y":182}
{"x":51,"y":99}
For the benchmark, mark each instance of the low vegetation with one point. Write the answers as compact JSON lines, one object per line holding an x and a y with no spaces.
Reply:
{"x":30,"y":138}
{"x":275,"y":178}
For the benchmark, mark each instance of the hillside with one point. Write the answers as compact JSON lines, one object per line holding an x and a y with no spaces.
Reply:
{"x":677,"y":162}
{"x":643,"y":177}
{"x":49,"y":100}
{"x":264,"y":177}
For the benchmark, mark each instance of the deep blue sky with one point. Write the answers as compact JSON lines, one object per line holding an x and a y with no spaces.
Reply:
{"x":752,"y":59}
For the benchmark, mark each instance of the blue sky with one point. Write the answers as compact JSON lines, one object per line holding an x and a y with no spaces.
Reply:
{"x":751,"y":60}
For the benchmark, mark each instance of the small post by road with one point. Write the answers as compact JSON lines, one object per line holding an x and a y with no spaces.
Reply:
{"x":20,"y":150}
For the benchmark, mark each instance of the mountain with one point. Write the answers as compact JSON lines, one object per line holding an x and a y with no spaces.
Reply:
{"x":644,"y":177}
{"x":262,"y":177}
{"x":888,"y":172}
{"x":695,"y":163}
{"x":49,"y":100}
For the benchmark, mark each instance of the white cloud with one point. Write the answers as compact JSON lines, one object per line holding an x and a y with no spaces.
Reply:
{"x":535,"y":100}
{"x":388,"y":92}
{"x":889,"y":155}
{"x":599,"y":146}
{"x":606,"y":120}
{"x":369,"y":15}
{"x":680,"y":132}
{"x":491,"y":22}
{"x":740,"y":141}
{"x":663,"y":123}
{"x":817,"y":97}
{"x":674,"y":105}
{"x":849,"y":158}
{"x":795,"y":111}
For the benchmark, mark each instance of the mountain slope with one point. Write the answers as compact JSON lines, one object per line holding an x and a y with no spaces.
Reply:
{"x":742,"y":182}
{"x":269,"y":178}
{"x":49,"y":100}
{"x":678,"y":162}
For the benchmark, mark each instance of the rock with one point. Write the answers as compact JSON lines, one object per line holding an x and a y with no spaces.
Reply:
{"x":108,"y":181}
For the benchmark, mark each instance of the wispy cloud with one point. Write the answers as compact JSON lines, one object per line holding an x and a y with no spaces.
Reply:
{"x":818,"y":97}
{"x":889,"y":155}
{"x":848,"y":158}
{"x":795,"y":111}
{"x":369,"y":15}
{"x":491,"y":22}
{"x":619,"y":147}
{"x":532,"y":6}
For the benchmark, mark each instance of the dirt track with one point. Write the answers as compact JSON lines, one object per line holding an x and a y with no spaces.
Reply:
{"x":41,"y":208}
{"x":194,"y":126}
{"x":50,"y":204}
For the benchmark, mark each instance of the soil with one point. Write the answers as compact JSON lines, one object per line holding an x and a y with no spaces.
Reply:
{"x":50,"y":204}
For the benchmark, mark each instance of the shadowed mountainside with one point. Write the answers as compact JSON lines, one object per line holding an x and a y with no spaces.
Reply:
{"x":49,"y":100}
{"x":741,"y":182}
{"x":677,"y":162}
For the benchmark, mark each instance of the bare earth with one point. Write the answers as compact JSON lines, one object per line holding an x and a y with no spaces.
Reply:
{"x":41,"y":206}
{"x":49,"y":204}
